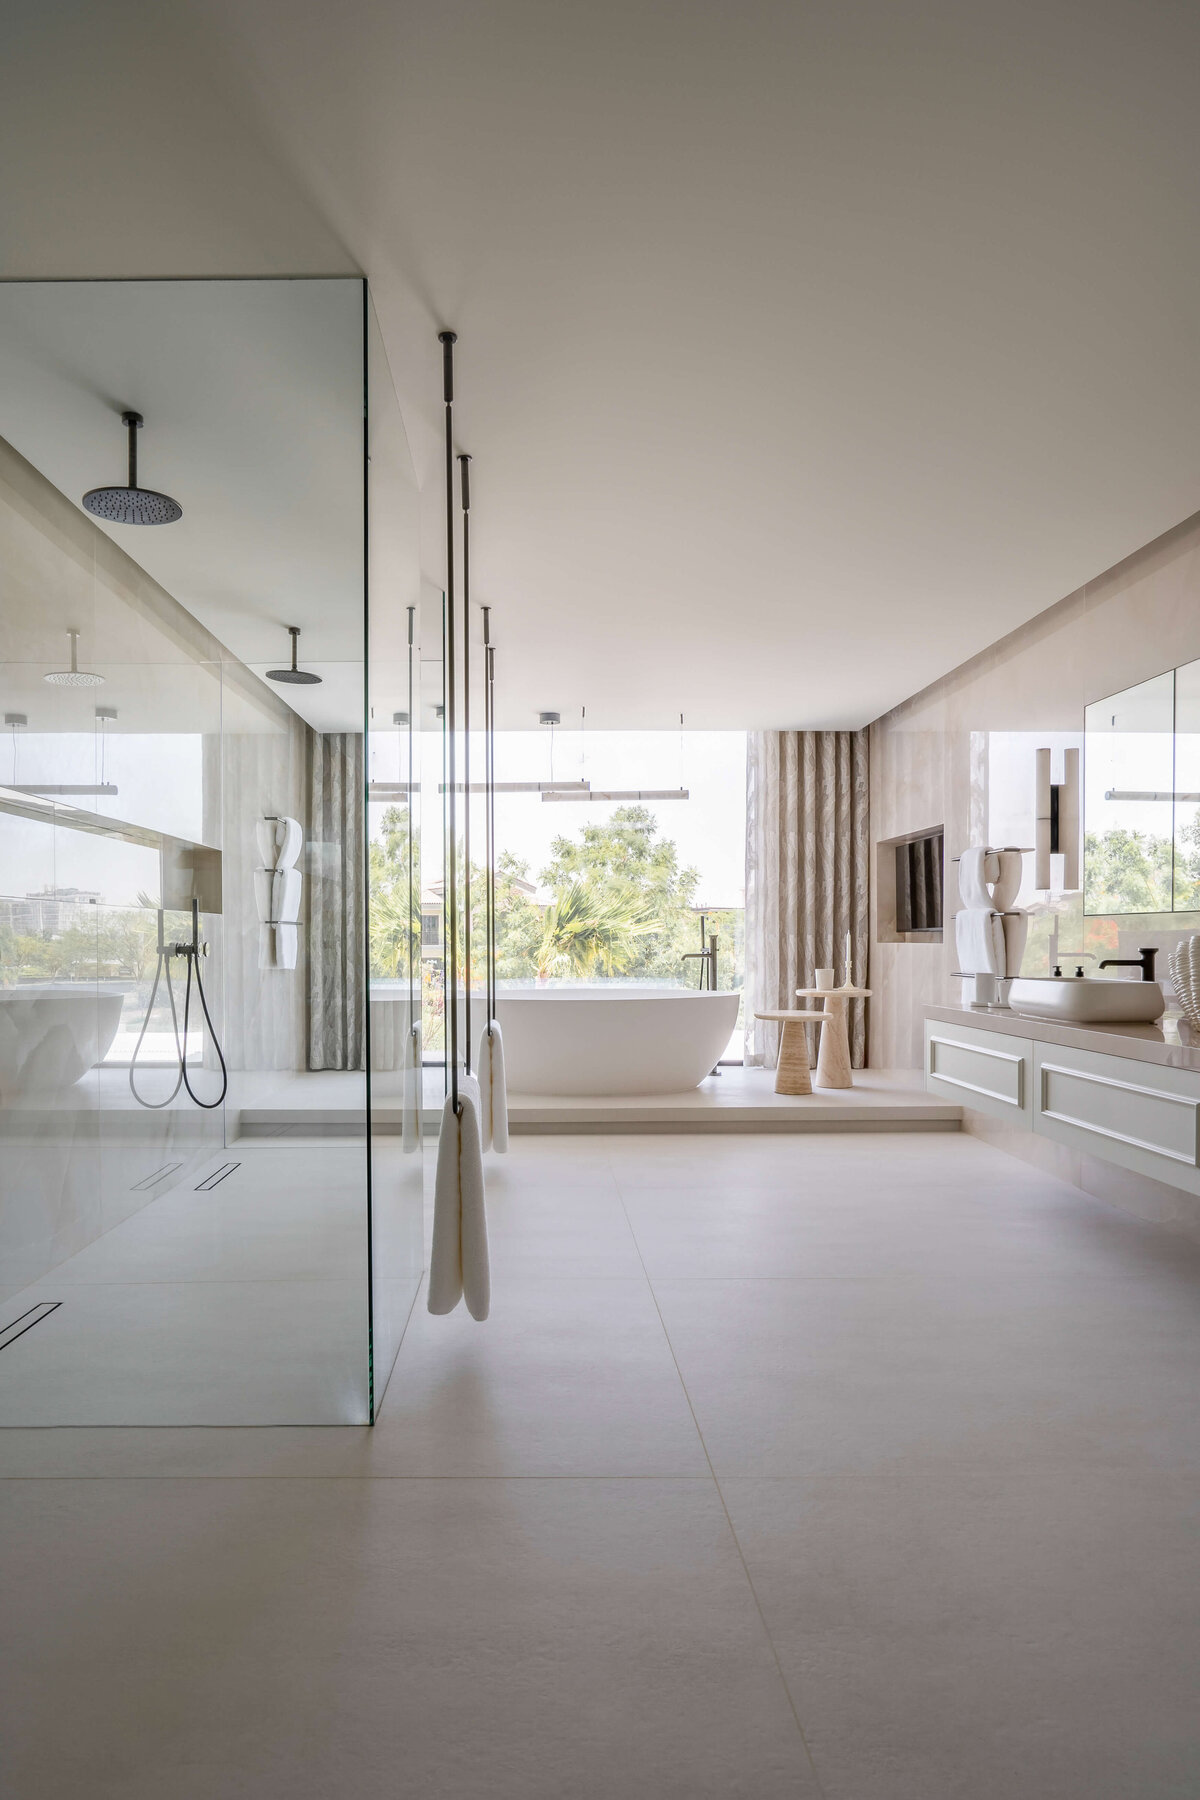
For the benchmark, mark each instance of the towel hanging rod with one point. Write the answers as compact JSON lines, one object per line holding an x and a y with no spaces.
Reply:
{"x":1012,"y":912}
{"x":996,"y":849}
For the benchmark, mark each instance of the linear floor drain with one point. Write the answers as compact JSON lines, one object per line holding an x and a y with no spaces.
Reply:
{"x":210,"y":1181}
{"x":26,"y":1321}
{"x":149,"y":1181}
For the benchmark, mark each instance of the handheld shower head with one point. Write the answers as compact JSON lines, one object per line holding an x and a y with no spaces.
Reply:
{"x":294,"y":674}
{"x":132,"y":505}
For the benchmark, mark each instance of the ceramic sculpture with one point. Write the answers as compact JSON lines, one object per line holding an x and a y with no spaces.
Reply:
{"x":1184,"y":965}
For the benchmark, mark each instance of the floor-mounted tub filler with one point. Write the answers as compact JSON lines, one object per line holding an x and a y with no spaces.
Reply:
{"x":577,"y":1040}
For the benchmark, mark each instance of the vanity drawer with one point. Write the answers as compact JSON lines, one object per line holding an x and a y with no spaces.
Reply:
{"x":1138,"y":1114}
{"x":987,"y":1070}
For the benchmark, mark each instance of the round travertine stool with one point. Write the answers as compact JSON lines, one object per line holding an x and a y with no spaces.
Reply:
{"x":833,"y":1064}
{"x":793,"y":1071}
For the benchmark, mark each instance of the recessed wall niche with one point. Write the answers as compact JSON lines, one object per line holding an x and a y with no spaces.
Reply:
{"x":910,"y":887}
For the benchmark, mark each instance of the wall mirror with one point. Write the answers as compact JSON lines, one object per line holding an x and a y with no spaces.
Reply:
{"x":1142,"y":797}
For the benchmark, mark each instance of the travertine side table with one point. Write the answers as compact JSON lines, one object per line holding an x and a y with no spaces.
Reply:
{"x":793,"y":1070}
{"x":833,"y":1063}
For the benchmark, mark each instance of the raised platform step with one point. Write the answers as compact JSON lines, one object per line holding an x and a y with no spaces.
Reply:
{"x":736,"y":1100}
{"x":745,"y":1100}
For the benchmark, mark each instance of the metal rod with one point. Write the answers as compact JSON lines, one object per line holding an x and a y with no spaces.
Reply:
{"x":464,"y":464}
{"x":412,"y":990}
{"x":489,"y":740}
{"x":448,"y":339}
{"x":133,"y":420}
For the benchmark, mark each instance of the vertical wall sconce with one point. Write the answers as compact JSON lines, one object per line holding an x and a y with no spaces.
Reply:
{"x":1057,"y":821}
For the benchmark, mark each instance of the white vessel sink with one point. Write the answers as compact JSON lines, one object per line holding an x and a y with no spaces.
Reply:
{"x":1087,"y":999}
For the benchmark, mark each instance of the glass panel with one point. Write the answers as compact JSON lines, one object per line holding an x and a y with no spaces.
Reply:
{"x":1129,"y":781}
{"x":1187,"y":788}
{"x":394,"y":810}
{"x":625,"y":890}
{"x":207,"y":1246}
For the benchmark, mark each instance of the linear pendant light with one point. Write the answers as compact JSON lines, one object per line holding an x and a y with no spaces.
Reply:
{"x":559,"y":793}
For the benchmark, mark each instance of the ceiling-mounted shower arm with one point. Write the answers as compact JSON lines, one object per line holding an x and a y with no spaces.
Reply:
{"x":294,"y":675}
{"x":132,"y":505}
{"x":134,"y":422}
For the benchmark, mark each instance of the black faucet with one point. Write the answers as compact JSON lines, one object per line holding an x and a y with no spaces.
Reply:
{"x":1144,"y":960}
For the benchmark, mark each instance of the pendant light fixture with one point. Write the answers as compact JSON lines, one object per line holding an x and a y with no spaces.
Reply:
{"x":562,"y":790}
{"x":298,"y":677}
{"x":50,"y":790}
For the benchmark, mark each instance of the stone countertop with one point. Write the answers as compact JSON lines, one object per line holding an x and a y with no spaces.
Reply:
{"x":1171,"y":1042}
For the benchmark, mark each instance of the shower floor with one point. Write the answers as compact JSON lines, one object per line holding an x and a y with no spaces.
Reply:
{"x":241,"y":1303}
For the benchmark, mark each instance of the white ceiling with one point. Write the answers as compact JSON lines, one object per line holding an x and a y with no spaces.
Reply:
{"x":805,"y":349}
{"x":252,"y":396}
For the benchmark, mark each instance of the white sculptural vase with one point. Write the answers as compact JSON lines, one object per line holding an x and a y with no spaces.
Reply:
{"x":1184,"y":966}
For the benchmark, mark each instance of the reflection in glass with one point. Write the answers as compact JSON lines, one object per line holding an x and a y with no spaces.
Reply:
{"x":1187,"y":788}
{"x":1129,"y":783}
{"x":213,"y":1262}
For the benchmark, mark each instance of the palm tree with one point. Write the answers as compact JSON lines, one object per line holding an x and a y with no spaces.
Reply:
{"x":591,"y":929}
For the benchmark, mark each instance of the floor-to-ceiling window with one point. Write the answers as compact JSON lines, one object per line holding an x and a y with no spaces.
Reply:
{"x":620,"y":859}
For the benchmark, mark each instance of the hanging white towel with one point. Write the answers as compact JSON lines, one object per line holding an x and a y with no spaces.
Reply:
{"x":1016,"y":930}
{"x":458,"y":1266}
{"x":978,"y":867}
{"x":289,"y":842}
{"x":1007,"y":884}
{"x":493,"y":1091}
{"x":286,"y":945}
{"x":979,"y":941}
{"x":285,"y":896}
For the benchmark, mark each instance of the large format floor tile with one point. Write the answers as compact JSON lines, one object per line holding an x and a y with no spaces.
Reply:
{"x":950,"y":1407}
{"x":193,"y":1352}
{"x":493,"y":1640}
{"x":558,"y":1232}
{"x":972,"y":1635}
{"x":569,"y":1377}
{"x":749,"y":1230}
{"x":796,"y":1377}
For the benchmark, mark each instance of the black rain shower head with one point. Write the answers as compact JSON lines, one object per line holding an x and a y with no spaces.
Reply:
{"x":293,"y":674}
{"x":132,"y":505}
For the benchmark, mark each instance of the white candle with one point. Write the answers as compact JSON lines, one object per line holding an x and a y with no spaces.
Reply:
{"x":849,"y":971}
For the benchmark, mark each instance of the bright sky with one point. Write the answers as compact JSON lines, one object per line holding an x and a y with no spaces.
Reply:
{"x":159,"y":783}
{"x":709,"y":828}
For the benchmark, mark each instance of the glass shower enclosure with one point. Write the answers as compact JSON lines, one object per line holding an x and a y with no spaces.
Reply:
{"x":212,"y":1139}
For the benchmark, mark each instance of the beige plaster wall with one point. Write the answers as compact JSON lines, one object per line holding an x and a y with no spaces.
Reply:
{"x":941,"y":756}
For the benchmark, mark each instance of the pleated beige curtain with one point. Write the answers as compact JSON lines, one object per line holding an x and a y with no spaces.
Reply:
{"x":807,"y":874}
{"x":336,"y":937}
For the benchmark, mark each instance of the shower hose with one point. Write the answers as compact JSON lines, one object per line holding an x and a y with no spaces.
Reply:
{"x":192,"y":954}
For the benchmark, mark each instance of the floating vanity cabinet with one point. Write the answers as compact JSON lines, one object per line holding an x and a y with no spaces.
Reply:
{"x":1140,"y":1110}
{"x":1135,"y":1113}
{"x":987,"y":1070}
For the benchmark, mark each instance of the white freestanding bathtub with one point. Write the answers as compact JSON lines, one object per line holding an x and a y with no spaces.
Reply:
{"x":576,"y":1040}
{"x":51,"y":1036}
